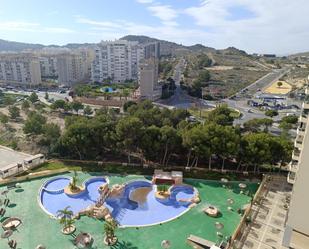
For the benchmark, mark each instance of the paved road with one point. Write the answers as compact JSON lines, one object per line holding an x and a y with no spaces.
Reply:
{"x":181,"y":99}
{"x":265,"y":81}
{"x":41,"y":95}
{"x":260,"y":84}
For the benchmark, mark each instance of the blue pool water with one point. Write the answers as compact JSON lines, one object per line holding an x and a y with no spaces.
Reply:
{"x":57,"y":183}
{"x":107,"y":89}
{"x":130,"y":213}
{"x":54,"y":201}
{"x":123,"y":209}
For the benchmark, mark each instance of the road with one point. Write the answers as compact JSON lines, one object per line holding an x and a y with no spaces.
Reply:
{"x":41,"y":95}
{"x":264,"y":82}
{"x":240,"y":103}
{"x":181,"y":99}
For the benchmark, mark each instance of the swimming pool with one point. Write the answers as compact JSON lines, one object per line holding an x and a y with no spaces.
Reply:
{"x":53,"y":198}
{"x":126,"y":209}
{"x":152,"y":211}
{"x":107,"y":90}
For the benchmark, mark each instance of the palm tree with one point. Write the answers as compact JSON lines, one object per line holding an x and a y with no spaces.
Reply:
{"x":65,"y":217}
{"x":126,"y":93}
{"x":110,"y":227}
{"x":73,"y":183}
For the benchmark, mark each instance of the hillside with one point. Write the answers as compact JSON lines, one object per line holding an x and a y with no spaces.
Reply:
{"x":12,"y":46}
{"x":17,"y":46}
{"x":221,"y":72}
{"x":167,"y":47}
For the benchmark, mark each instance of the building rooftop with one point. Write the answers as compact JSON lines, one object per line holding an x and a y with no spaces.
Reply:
{"x":9,"y":156}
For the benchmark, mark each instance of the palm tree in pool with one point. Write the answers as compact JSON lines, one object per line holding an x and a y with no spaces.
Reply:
{"x":110,"y":227}
{"x":65,"y":217}
{"x":73,"y":183}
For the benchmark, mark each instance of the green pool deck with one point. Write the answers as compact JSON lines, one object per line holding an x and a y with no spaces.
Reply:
{"x":39,"y":228}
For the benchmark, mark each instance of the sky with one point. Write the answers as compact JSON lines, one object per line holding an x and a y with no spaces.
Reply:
{"x":261,"y":26}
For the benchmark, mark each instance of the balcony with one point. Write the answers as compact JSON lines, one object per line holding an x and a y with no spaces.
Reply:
{"x":306,"y":106}
{"x":298,"y":144}
{"x":291,"y":177}
{"x":295,"y":156}
{"x":301,"y":131}
{"x":302,"y":119}
{"x":293,"y":166}
{"x":299,"y":139}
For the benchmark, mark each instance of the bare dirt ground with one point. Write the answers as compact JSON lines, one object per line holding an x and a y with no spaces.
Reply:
{"x":275,"y":89}
{"x":12,"y":134}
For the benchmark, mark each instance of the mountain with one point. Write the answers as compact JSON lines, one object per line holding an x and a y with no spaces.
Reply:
{"x":12,"y":46}
{"x":300,"y":54}
{"x":17,"y":46}
{"x":166,"y":47}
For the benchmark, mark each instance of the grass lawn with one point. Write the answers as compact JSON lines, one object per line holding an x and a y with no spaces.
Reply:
{"x":39,"y":228}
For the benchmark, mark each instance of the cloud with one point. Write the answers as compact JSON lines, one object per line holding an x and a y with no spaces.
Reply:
{"x":58,"y":30}
{"x":166,"y":13}
{"x":13,"y":26}
{"x":278,"y":26}
{"x":144,"y":1}
{"x":18,"y":26}
{"x":105,"y":24}
{"x":168,"y":32}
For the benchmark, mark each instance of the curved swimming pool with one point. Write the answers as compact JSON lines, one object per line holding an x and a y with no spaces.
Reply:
{"x":136,"y":206}
{"x":152,"y":211}
{"x":53,"y":199}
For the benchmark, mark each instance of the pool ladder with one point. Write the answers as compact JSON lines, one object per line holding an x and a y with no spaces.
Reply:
{"x":120,"y":215}
{"x":102,"y":199}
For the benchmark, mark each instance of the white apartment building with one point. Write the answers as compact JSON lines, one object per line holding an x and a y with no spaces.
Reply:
{"x":67,"y":66}
{"x":116,"y":60}
{"x":296,"y":234}
{"x":71,"y":68}
{"x":148,"y":79}
{"x":20,"y":69}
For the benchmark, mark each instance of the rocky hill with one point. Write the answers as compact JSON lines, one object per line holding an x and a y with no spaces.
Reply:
{"x":167,"y":47}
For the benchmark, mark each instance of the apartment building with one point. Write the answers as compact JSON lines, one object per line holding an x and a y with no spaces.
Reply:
{"x":20,"y":69}
{"x":71,"y":68}
{"x":148,"y":79}
{"x":152,"y":50}
{"x":48,"y":67}
{"x":116,"y":60}
{"x":296,"y":234}
{"x":66,"y":66}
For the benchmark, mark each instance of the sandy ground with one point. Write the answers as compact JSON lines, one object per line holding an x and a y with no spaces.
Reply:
{"x":220,"y":68}
{"x":140,"y":195}
{"x":275,"y":89}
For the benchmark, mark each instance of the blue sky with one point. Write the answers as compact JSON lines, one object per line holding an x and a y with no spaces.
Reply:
{"x":266,"y":26}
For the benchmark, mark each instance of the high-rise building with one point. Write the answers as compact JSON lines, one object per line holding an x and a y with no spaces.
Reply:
{"x":48,"y":66}
{"x":296,"y":234}
{"x":116,"y":60}
{"x":152,"y":50}
{"x":148,"y":79}
{"x":20,"y":69}
{"x":71,"y":68}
